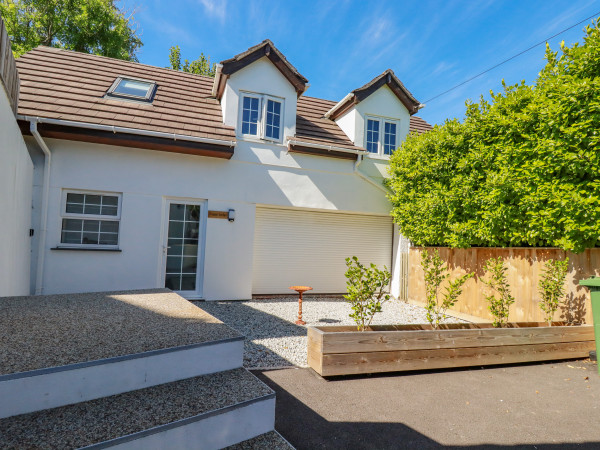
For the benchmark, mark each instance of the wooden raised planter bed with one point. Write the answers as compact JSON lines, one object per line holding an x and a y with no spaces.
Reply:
{"x":341,"y":350}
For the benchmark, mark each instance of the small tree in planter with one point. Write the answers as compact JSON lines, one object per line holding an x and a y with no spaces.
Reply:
{"x":435,"y":274}
{"x":552,"y":287}
{"x":366,"y":290}
{"x":501,"y":299}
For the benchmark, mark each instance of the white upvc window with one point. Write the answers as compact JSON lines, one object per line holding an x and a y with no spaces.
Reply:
{"x":90,"y":219}
{"x":261,"y":116}
{"x":381,"y":135}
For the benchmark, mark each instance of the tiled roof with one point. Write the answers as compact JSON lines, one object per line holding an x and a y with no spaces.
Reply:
{"x":268,"y":49}
{"x":312,"y":127}
{"x":61,"y":84}
{"x":67,"y":85}
{"x":419,"y":125}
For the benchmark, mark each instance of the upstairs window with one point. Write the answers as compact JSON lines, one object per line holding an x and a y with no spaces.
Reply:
{"x":273,"y":119}
{"x":372,"y":136}
{"x":381,"y":136}
{"x":132,"y":88}
{"x":261,"y":116}
{"x":389,"y":138}
{"x":90,"y":220}
{"x":250,"y":115}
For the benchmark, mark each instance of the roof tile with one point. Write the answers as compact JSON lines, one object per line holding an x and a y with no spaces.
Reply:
{"x":62,"y":84}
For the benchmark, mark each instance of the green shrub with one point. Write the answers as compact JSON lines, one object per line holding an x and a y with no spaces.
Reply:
{"x":522,"y":169}
{"x":435,"y":274}
{"x":501,"y":299}
{"x":552,"y":286}
{"x":367,"y":287}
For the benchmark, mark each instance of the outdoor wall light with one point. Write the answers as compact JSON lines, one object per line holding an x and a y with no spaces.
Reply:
{"x":231,"y":215}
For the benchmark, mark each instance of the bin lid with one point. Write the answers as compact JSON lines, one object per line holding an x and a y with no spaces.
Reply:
{"x":591,"y":282}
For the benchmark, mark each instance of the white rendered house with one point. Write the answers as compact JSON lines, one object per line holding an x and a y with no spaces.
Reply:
{"x":217,"y":188}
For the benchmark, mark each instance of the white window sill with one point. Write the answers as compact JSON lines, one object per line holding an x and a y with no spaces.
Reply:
{"x":380,"y":157}
{"x":256,"y":140}
{"x":87,"y":249}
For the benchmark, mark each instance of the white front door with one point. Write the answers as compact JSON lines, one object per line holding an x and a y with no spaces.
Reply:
{"x":183,"y":248}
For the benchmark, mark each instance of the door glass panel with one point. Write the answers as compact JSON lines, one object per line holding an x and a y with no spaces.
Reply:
{"x":182,"y":247}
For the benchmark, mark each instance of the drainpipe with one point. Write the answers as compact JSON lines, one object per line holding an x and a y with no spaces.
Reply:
{"x":39,"y":288}
{"x":359,"y":160}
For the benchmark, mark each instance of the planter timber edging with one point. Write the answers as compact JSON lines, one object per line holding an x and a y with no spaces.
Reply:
{"x":341,"y":350}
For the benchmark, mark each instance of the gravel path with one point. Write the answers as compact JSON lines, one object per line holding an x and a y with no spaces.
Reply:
{"x":106,"y":418}
{"x":272,"y":338}
{"x":57,"y":330}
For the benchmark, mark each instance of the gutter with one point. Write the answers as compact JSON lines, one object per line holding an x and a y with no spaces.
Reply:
{"x":338,"y":104}
{"x":39,"y":279}
{"x":125,"y":130}
{"x":330,"y":148}
{"x":359,"y":160}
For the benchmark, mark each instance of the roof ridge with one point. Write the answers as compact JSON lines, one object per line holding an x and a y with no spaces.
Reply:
{"x":317,"y":98}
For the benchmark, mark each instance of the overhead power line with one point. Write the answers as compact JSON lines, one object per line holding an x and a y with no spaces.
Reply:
{"x":513,"y":57}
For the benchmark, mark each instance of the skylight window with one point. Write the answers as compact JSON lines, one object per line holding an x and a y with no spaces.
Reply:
{"x":133,"y":88}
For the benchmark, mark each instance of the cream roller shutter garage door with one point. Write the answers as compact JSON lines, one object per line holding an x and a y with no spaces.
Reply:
{"x":294,"y":247}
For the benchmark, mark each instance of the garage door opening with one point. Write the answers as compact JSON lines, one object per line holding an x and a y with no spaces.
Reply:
{"x":294,"y":247}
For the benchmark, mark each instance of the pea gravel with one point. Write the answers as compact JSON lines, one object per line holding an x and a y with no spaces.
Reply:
{"x":274,"y":340}
{"x":95,"y":421}
{"x":56,"y":330}
{"x":268,"y":441}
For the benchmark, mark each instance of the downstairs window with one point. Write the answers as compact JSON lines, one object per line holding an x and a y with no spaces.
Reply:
{"x":90,"y":220}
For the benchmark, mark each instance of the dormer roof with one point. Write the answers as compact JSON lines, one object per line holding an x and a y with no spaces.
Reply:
{"x":265,"y":48}
{"x":388,"y":78}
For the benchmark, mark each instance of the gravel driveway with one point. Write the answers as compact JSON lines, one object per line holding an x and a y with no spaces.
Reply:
{"x":272,"y":338}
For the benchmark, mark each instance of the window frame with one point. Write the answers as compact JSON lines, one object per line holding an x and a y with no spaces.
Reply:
{"x":258,"y":122}
{"x":100,"y":217}
{"x":381,"y":137}
{"x":147,"y":98}
{"x":262,"y":116}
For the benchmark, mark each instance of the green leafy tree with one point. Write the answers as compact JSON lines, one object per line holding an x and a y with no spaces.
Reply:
{"x":501,"y":298}
{"x":90,"y":26}
{"x":435,"y":274}
{"x":367,"y":291}
{"x":200,"y":66}
{"x":552,"y":286}
{"x":522,"y":169}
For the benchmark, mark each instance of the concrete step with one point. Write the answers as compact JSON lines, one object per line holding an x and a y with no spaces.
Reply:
{"x":208,"y":412}
{"x":268,"y":441}
{"x":63,"y":349}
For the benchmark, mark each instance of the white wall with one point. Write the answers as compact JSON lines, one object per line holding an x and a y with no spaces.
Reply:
{"x":257,"y":174}
{"x":16,"y":178}
{"x":383,"y":103}
{"x":260,"y":77}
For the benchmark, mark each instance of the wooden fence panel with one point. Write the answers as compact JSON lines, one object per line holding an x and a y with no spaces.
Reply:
{"x":525,"y":266}
{"x":9,"y":76}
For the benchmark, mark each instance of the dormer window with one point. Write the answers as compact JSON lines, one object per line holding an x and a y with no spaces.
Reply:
{"x":132,"y":88}
{"x":381,"y":136}
{"x":261,"y":116}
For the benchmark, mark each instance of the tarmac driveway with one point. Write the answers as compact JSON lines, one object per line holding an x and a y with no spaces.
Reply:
{"x":537,"y":406}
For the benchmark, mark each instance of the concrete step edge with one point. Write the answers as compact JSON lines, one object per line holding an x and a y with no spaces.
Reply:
{"x":115,"y":359}
{"x":104,"y":378}
{"x":228,"y":407}
{"x":179,"y":423}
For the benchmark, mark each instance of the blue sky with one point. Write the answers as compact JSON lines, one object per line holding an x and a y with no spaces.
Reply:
{"x":341,"y":45}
